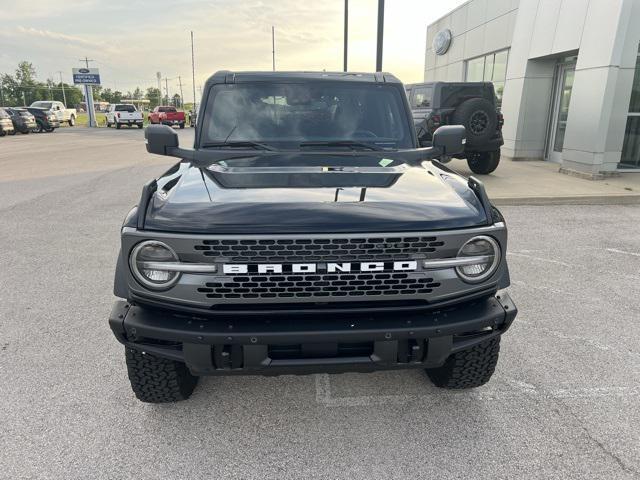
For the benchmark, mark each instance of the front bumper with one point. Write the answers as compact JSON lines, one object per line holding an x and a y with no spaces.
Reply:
{"x":299,"y":345}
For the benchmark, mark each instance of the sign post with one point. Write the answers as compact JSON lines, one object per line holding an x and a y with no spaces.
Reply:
{"x":88,"y":77}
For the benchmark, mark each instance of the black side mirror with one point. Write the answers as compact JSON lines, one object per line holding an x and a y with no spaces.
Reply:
{"x":160,"y":139}
{"x":449,"y":139}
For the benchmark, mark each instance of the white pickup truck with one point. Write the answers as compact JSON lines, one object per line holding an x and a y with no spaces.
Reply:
{"x":64,"y":114}
{"x":119,"y":114}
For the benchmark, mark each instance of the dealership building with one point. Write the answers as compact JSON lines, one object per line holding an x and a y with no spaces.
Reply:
{"x":566,"y":72}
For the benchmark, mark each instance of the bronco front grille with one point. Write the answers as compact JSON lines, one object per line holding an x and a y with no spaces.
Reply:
{"x":314,"y":286}
{"x":320,"y":249}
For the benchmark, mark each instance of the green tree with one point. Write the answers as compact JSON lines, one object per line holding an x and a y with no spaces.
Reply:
{"x":153,"y":95}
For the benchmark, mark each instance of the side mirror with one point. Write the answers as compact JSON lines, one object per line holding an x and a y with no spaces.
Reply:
{"x":449,"y":139}
{"x":160,"y":139}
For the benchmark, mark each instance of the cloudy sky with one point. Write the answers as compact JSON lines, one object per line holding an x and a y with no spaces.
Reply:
{"x":131,"y":40}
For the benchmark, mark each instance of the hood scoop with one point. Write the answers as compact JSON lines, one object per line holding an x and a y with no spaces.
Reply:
{"x":305,"y":176}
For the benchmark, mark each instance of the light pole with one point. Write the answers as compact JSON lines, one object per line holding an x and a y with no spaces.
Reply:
{"x":346,"y":33}
{"x":64,"y":95}
{"x":380,"y":34}
{"x":193,"y":73}
{"x":273,"y":47}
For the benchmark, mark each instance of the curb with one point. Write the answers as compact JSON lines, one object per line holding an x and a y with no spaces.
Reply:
{"x":612,"y":199}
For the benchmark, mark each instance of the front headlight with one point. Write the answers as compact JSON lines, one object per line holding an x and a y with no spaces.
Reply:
{"x":147,"y":261}
{"x":487,"y":251}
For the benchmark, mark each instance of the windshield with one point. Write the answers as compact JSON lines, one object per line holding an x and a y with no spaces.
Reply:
{"x":289,"y":114}
{"x":125,"y":108}
{"x":45,"y":105}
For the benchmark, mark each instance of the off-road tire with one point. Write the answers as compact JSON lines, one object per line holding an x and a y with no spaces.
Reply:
{"x":480,"y":119}
{"x":483,"y":163}
{"x":72,"y":120}
{"x":158,"y":380}
{"x":468,"y":368}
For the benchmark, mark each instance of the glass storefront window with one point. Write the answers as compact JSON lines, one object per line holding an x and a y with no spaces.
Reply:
{"x":631,"y":146}
{"x":490,"y":68}
{"x":475,"y":70}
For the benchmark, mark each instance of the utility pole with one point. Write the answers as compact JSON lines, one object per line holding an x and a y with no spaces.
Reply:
{"x":380,"y":33}
{"x":86,"y":61}
{"x":273,"y":47}
{"x":193,"y":73}
{"x":64,"y":95}
{"x":88,"y":96}
{"x":346,"y":33}
{"x":181,"y":97}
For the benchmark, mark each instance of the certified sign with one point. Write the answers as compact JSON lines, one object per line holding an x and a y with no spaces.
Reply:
{"x":86,"y":76}
{"x":442,"y":41}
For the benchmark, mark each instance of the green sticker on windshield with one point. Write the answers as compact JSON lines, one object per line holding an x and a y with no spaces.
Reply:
{"x":385,"y":162}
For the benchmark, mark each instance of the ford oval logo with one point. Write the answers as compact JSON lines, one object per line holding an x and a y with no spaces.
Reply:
{"x":83,"y":70}
{"x":442,"y":41}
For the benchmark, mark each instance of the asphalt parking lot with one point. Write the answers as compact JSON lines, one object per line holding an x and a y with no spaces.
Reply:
{"x":564,"y":402}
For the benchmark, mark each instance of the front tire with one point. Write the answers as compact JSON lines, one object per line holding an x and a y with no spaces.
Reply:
{"x":158,"y":380}
{"x":483,"y":163}
{"x":468,"y":368}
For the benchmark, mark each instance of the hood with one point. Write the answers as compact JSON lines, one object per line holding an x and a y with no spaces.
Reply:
{"x":299,"y":193}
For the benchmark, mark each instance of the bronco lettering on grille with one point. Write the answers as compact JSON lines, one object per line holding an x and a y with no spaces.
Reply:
{"x":331,"y":267}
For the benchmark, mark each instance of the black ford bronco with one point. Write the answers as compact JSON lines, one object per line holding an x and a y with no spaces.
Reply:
{"x":470,"y":104}
{"x":306,"y":231}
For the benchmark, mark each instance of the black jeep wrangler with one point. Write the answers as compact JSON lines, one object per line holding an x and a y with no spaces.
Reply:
{"x":471,"y":104}
{"x":306,"y":231}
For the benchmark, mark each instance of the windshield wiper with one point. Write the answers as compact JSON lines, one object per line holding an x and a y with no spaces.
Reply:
{"x":341,"y":143}
{"x":239,"y":143}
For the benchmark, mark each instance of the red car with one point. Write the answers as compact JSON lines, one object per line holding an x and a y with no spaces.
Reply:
{"x":167,"y":116}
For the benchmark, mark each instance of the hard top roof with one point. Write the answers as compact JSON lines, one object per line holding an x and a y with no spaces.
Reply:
{"x":225,"y":76}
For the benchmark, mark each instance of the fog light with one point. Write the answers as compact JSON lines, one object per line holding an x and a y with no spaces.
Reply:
{"x":154,"y":278}
{"x":483,"y":247}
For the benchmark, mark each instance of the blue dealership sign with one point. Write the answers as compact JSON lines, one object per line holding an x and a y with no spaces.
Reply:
{"x":86,"y":76}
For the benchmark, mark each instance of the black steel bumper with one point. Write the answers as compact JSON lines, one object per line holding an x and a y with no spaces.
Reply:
{"x":308,"y":344}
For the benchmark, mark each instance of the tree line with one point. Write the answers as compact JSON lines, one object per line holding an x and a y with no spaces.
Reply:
{"x":23,"y":88}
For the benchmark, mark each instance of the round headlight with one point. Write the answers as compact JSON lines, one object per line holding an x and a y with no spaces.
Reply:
{"x":146,"y":261}
{"x":487,"y":251}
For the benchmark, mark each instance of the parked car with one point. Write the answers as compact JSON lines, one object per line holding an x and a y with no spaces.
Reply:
{"x":6,"y":125}
{"x":64,"y":114}
{"x":167,"y":116}
{"x":472,"y":104}
{"x":46,"y":120}
{"x":119,"y":114}
{"x":23,"y":121}
{"x":309,"y":235}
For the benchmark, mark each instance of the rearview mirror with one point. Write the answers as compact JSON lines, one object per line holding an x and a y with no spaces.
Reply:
{"x":160,"y":139}
{"x":449,"y":139}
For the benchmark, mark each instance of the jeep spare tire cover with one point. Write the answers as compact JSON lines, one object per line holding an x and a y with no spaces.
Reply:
{"x":479,"y":118}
